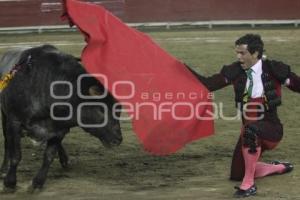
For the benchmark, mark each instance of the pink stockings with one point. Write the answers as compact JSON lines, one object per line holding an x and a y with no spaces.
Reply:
{"x":255,"y":169}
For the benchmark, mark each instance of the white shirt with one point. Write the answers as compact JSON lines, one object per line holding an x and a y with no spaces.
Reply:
{"x":258,"y":88}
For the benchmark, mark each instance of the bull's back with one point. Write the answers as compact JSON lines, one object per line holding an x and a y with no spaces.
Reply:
{"x":9,"y":59}
{"x":37,"y":83}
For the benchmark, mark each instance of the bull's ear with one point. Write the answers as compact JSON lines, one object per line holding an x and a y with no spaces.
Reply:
{"x":95,"y":90}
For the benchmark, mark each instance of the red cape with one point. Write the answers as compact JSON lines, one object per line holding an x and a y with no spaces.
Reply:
{"x":162,"y":96}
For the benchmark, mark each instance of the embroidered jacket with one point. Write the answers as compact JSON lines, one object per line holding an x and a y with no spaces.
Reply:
{"x":274,"y":75}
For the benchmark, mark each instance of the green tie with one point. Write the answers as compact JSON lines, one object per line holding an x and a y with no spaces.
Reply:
{"x":249,"y":76}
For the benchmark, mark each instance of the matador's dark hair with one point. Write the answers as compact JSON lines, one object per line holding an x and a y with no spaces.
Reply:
{"x":254,"y":43}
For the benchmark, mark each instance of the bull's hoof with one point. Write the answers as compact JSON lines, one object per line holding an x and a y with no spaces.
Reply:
{"x":37,"y":183}
{"x":10,"y":182}
{"x":64,"y":160}
{"x":65,"y":164}
{"x":31,"y":189}
{"x":9,"y":185}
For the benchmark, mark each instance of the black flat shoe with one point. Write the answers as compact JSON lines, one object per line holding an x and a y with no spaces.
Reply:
{"x":288,"y":166}
{"x":245,"y":193}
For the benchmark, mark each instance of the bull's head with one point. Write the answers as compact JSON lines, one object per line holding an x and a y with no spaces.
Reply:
{"x":100,"y":118}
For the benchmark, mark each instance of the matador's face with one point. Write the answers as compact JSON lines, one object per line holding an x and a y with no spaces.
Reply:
{"x":245,"y":57}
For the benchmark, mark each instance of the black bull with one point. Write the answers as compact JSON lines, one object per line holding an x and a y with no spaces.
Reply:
{"x":43,"y":100}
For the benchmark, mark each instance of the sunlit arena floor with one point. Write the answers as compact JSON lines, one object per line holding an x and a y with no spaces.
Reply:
{"x":201,"y":169}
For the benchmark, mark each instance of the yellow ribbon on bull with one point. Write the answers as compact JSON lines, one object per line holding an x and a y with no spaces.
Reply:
{"x":5,"y":80}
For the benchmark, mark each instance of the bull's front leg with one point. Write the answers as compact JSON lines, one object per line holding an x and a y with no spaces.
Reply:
{"x":63,"y":157}
{"x":49,"y":155}
{"x":13,"y":140}
{"x":4,"y":165}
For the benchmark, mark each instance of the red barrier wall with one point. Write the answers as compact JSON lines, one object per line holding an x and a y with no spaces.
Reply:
{"x":47,"y":12}
{"x":44,"y":12}
{"x":203,"y":10}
